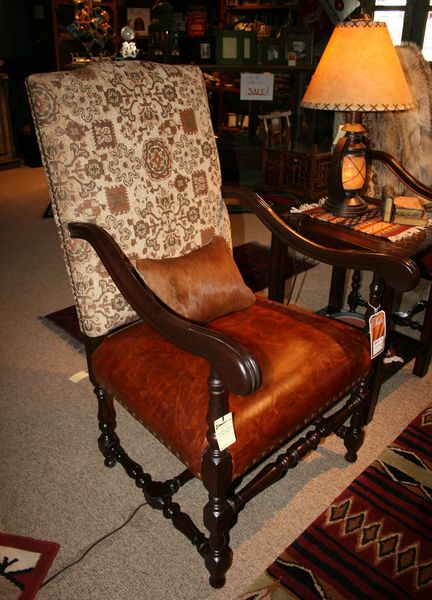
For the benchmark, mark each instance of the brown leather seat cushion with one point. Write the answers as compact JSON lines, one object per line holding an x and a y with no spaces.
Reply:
{"x":305,"y":361}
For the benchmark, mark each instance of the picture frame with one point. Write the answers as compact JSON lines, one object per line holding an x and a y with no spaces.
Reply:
{"x":299,"y":48}
{"x":198,"y":50}
{"x":236,"y":47}
{"x":205,"y":51}
{"x":139,"y":19}
{"x":273,"y":51}
{"x":249,"y":47}
{"x":229,"y":47}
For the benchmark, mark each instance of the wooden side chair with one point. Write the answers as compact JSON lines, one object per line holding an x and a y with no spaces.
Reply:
{"x":306,"y":172}
{"x":291,"y":166}
{"x":220,"y":377}
{"x":277,"y":140}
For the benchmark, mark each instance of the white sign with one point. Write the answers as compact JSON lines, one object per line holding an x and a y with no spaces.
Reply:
{"x":256,"y":86}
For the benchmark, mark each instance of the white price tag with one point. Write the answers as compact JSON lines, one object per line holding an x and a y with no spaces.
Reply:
{"x":377,"y":332}
{"x":224,"y":430}
{"x":78,"y":376}
{"x":340,"y":133}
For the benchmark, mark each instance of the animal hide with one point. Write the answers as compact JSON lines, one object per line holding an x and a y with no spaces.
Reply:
{"x":406,"y":135}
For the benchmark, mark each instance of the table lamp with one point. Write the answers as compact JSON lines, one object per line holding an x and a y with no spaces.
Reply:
{"x":359,"y":72}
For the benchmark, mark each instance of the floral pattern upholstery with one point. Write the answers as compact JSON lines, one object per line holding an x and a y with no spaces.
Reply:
{"x":129,"y":146}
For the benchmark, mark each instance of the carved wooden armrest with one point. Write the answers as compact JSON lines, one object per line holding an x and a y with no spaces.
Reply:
{"x":398,"y":272}
{"x":237,"y":368}
{"x":401,"y":173}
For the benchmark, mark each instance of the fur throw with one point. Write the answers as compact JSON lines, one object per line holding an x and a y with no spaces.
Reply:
{"x":406,"y":135}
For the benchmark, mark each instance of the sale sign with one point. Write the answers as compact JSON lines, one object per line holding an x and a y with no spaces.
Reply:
{"x":256,"y":86}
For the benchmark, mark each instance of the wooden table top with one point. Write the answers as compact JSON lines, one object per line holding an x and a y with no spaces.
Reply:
{"x":336,"y":235}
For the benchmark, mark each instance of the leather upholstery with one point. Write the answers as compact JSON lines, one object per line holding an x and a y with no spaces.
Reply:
{"x":305,"y":367}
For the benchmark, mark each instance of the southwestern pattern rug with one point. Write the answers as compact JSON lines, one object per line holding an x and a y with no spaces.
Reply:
{"x":374,"y":541}
{"x":370,"y":222}
{"x":24,"y":563}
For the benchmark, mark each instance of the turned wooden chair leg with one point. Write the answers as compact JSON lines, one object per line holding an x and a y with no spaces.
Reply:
{"x":422,"y":361}
{"x":217,"y":478}
{"x":354,"y":435}
{"x":108,"y":441}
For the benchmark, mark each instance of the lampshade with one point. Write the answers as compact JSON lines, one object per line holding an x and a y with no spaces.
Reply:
{"x":359,"y":71}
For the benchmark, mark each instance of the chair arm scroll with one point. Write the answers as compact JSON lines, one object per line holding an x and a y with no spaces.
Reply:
{"x":234,"y":364}
{"x":399,"y":272}
{"x":401,"y":173}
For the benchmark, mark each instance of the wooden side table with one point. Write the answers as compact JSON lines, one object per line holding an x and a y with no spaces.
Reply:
{"x":337,"y":236}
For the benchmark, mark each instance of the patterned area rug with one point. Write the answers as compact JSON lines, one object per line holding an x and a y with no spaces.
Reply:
{"x":252,"y":259}
{"x":24,"y":563}
{"x":374,"y":541}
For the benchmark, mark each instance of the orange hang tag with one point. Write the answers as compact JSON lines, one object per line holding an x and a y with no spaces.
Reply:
{"x":377,"y":332}
{"x":224,"y":430}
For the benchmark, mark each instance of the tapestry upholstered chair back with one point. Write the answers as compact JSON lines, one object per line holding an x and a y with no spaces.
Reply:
{"x":127,"y":146}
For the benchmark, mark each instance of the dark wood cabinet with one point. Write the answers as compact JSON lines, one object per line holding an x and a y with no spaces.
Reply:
{"x":7,"y":151}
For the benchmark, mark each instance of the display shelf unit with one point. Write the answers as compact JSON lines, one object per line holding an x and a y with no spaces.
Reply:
{"x":290,"y":84}
{"x":64,"y":42}
{"x":240,"y":7}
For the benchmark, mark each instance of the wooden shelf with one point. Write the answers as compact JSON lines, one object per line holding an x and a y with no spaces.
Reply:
{"x":271,"y":68}
{"x":272,"y":14}
{"x":260,"y":7}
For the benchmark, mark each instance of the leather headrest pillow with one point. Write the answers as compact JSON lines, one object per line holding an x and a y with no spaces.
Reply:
{"x":202,"y":285}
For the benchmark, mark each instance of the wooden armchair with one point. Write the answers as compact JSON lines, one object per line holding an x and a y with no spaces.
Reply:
{"x":171,"y":330}
{"x":401,"y":157}
{"x":407,"y":318}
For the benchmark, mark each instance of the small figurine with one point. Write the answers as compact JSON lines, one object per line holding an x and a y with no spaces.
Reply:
{"x":129,"y":50}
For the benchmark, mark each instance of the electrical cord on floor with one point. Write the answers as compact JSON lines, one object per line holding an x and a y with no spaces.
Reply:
{"x":93,"y":545}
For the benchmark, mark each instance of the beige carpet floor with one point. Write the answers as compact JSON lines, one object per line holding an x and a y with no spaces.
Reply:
{"x":53,"y":484}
